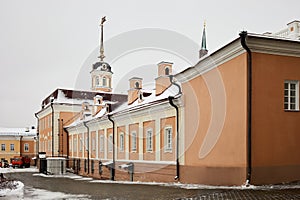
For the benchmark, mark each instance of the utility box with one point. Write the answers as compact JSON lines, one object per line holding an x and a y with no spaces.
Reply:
{"x":56,"y":165}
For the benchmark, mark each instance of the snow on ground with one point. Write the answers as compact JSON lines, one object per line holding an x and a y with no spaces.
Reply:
{"x":179,"y":185}
{"x":12,"y":170}
{"x":40,"y":194}
{"x":15,"y":193}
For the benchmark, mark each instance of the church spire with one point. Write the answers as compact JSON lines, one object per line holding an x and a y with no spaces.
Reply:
{"x":101,"y":56}
{"x":101,"y":72}
{"x":203,"y":51}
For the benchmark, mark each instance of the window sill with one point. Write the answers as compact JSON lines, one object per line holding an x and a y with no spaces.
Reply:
{"x":291,"y":110}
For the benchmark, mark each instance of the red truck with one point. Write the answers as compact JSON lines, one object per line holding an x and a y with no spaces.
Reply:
{"x":20,"y":161}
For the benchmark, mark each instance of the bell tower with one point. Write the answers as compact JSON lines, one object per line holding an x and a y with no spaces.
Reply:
{"x":101,"y":73}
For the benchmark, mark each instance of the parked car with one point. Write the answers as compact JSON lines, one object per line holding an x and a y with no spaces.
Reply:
{"x":20,"y":162}
{"x":4,"y":163}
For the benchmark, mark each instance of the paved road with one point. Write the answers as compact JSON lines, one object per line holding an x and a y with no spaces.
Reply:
{"x":84,"y":189}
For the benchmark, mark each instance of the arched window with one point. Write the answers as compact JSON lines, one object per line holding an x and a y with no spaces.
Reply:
{"x":167,"y":71}
{"x":104,"y":81}
{"x":97,"y":81}
{"x":137,"y":85}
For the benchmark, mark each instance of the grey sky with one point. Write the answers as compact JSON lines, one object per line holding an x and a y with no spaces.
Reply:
{"x":43,"y":44}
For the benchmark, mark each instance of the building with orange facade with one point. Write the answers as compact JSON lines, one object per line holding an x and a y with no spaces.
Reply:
{"x":230,"y":119}
{"x":17,"y":142}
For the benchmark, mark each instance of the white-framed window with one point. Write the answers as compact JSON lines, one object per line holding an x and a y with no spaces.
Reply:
{"x":122,"y":142}
{"x":133,"y":141}
{"x":110,"y":143}
{"x":26,"y":147}
{"x":3,"y":147}
{"x":149,"y":140}
{"x":86,"y":143}
{"x":75,"y":145}
{"x":168,"y":139}
{"x":49,"y":145}
{"x":104,"y":81}
{"x":70,"y":145}
{"x":12,"y":147}
{"x":291,"y":95}
{"x":93,"y":144}
{"x":101,"y":146}
{"x":80,"y":144}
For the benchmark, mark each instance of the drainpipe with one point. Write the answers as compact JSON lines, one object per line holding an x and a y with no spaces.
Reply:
{"x":58,"y":126}
{"x":243,"y":36}
{"x":88,"y":146}
{"x":37,"y":135}
{"x":21,"y":145}
{"x":52,"y":127}
{"x":171,"y":98}
{"x":68,"y":145}
{"x":62,"y":137}
{"x":113,"y":165}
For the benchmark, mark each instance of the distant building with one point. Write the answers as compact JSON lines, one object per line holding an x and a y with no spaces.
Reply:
{"x":230,"y":119}
{"x":17,"y":142}
{"x":292,"y":31}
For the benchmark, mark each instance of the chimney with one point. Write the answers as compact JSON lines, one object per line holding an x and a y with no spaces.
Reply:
{"x":135,"y":85}
{"x":98,"y":104}
{"x":85,"y":110}
{"x":162,"y":82}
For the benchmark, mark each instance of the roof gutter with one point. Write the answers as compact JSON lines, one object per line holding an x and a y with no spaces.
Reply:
{"x":171,"y":98}
{"x":113,"y":141}
{"x":243,"y":36}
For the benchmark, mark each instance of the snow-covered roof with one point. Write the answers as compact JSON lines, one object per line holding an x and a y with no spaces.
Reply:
{"x":171,"y":91}
{"x":62,"y":98}
{"x":147,"y":100}
{"x":18,"y":131}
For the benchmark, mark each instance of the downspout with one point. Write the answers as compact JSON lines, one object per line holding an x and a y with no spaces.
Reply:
{"x":37,"y":135}
{"x":114,"y":159}
{"x":52,"y":127}
{"x":62,"y":137}
{"x":171,"y":98}
{"x":68,"y":145}
{"x":88,"y":146}
{"x":243,"y":36}
{"x":21,"y":137}
{"x":58,"y":127}
{"x":38,"y":139}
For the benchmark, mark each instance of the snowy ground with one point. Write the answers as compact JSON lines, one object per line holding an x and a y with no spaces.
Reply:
{"x":12,"y":170}
{"x":88,"y":186}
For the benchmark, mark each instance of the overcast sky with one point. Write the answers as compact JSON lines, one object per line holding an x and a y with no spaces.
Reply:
{"x":44,"y":44}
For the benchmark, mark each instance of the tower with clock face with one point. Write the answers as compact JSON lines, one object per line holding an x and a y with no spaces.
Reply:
{"x":101,"y":77}
{"x":101,"y":72}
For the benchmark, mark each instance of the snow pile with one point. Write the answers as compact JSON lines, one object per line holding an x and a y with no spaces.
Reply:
{"x":12,"y":189}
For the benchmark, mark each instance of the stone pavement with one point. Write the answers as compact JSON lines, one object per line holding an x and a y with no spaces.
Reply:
{"x":249,"y":194}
